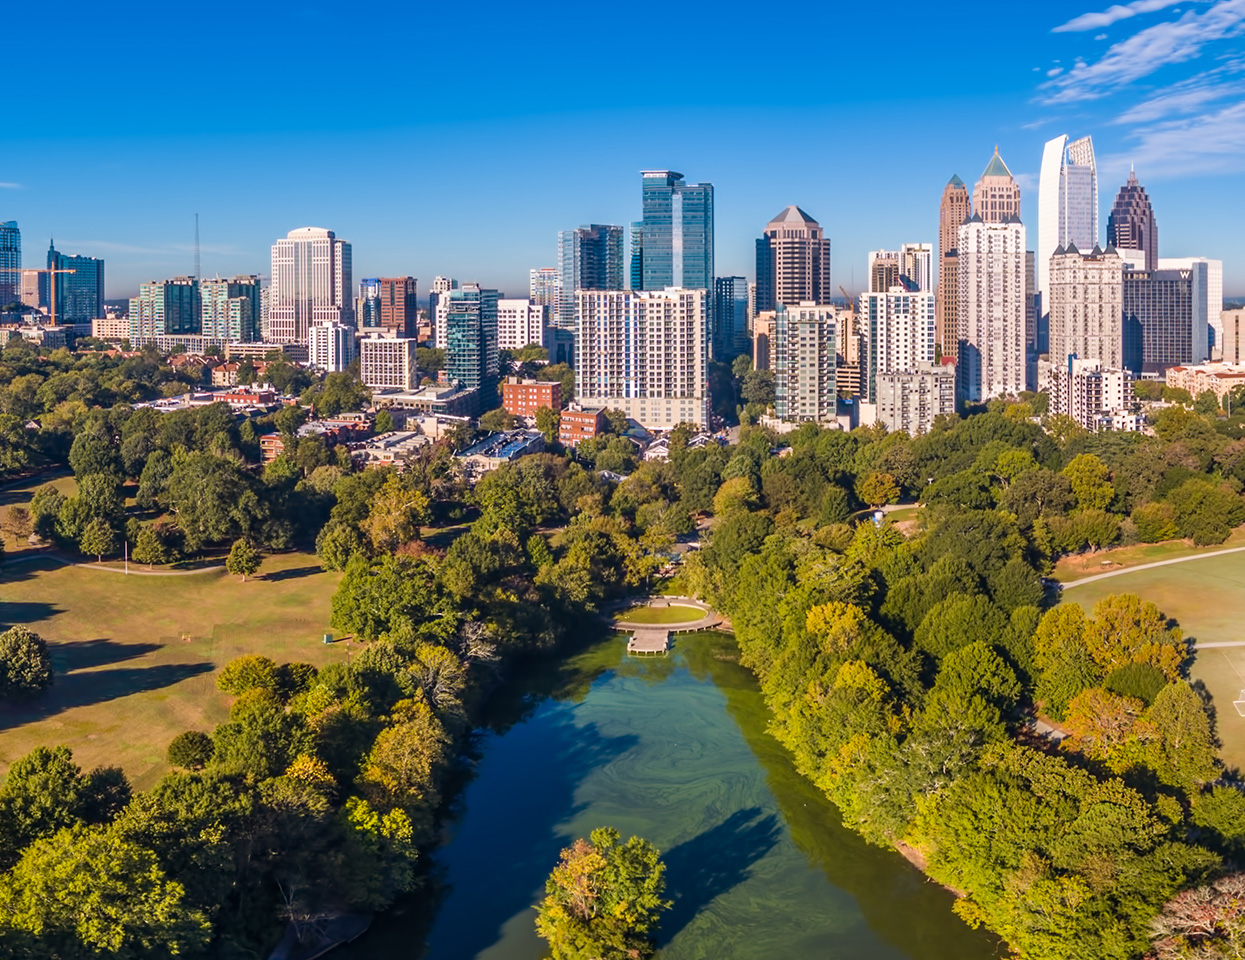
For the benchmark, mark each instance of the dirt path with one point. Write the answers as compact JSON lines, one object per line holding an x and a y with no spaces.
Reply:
{"x":1147,"y":566}
{"x":134,"y":570}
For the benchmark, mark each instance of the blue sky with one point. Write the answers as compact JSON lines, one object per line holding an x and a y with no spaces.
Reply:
{"x":460,"y":140}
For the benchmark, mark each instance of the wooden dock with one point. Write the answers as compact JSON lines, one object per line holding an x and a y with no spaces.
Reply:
{"x":649,"y":643}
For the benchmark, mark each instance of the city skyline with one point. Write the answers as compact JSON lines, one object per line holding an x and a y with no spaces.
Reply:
{"x":1174,"y":114}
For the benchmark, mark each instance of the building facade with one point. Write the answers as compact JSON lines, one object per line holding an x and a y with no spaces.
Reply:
{"x":1164,"y":318}
{"x":367,"y":305}
{"x":645,"y":353}
{"x":330,"y":346}
{"x":1097,"y":397}
{"x":792,"y":261}
{"x":676,"y":235}
{"x":954,"y":208}
{"x":910,"y":400}
{"x":311,"y":283}
{"x":438,"y":308}
{"x":471,"y":358}
{"x":804,"y":357}
{"x":730,"y":318}
{"x":1067,"y":205}
{"x":230,"y":308}
{"x":524,"y":397}
{"x":544,"y":284}
{"x":589,"y":258}
{"x":1232,"y":327}
{"x":388,"y":363}
{"x":996,"y":197}
{"x":883,"y":270}
{"x":991,"y":359}
{"x":1212,"y":292}
{"x":578,"y":423}
{"x":1131,"y":224}
{"x":80,"y":294}
{"x":1219,"y":378}
{"x":898,"y":333}
{"x":399,"y":306}
{"x":1086,"y":303}
{"x":166,"y":308}
{"x":916,"y":263}
{"x":10,"y":263}
{"x":521,"y":323}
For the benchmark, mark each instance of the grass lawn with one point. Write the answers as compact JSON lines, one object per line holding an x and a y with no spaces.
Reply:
{"x":675,"y":613}
{"x":1071,"y":569}
{"x":1205,"y":597}
{"x":19,"y":495}
{"x":126,"y":680}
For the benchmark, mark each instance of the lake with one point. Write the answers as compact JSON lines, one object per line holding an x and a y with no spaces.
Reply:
{"x":672,"y":749}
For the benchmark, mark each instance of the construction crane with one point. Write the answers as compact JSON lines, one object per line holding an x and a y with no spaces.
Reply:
{"x":848,"y":298}
{"x":52,"y":284}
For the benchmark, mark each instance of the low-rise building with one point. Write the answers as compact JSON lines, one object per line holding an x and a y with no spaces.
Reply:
{"x":226,"y":374}
{"x":1098,"y":398}
{"x":500,"y":448}
{"x":523,"y":398}
{"x":577,"y":424}
{"x":910,"y":400}
{"x":292,"y":352}
{"x":110,"y":328}
{"x":390,"y":449}
{"x":1219,"y":378}
{"x":437,"y":398}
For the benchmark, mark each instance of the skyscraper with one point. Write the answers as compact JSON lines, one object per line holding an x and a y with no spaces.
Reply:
{"x":803,"y":355}
{"x":1086,"y":307}
{"x":676,"y":237}
{"x":165,"y":307}
{"x":330,"y":346}
{"x":996,"y":197}
{"x":230,"y":309}
{"x":883,"y":270}
{"x":1212,"y":292}
{"x":1131,"y":225}
{"x":1067,"y":205}
{"x":520,"y":323}
{"x":399,"y":306}
{"x":311,"y":283}
{"x":953,"y":210}
{"x":367,"y":306}
{"x":438,"y":308}
{"x":10,"y":263}
{"x":730,"y":314}
{"x":645,"y":353}
{"x":992,"y":359}
{"x":471,"y":358}
{"x":793,"y":261}
{"x":916,"y":263}
{"x":543,"y":286}
{"x":589,"y":258}
{"x":1165,"y":320}
{"x":897,"y":328}
{"x":79,"y":295}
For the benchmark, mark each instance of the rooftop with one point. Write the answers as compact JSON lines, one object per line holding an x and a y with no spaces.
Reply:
{"x":996,"y":167}
{"x":794,"y":214}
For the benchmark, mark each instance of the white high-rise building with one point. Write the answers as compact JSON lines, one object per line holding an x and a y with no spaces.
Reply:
{"x":388,"y":363}
{"x":1087,"y":307}
{"x":646,"y":353}
{"x":911,"y":400}
{"x":991,"y":358}
{"x":439,"y":308}
{"x":1213,"y":288}
{"x":804,"y":358}
{"x":311,"y":283}
{"x":330,"y":346}
{"x":897,"y":332}
{"x":916,"y":262}
{"x":519,"y":323}
{"x":1067,"y":204}
{"x":544,"y":285}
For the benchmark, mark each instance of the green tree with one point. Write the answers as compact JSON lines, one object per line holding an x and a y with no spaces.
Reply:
{"x":88,"y":893}
{"x":497,"y":420}
{"x":1183,"y":752}
{"x":1207,"y":404}
{"x":547,"y":423}
{"x":877,"y":489}
{"x":250,"y":671}
{"x":191,"y":750}
{"x":1091,"y":482}
{"x":383,"y":422}
{"x":99,"y":538}
{"x":396,"y":516}
{"x":243,"y":559}
{"x":25,"y":667}
{"x":604,"y":899}
{"x":149,"y":546}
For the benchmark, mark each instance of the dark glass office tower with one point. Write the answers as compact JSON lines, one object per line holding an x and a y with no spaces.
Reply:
{"x":730,"y":313}
{"x":676,"y":232}
{"x":1131,"y":225}
{"x":589,"y":258}
{"x":471,"y":358}
{"x":10,"y":263}
{"x":79,"y":295}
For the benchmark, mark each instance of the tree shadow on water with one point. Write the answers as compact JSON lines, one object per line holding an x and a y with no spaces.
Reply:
{"x":714,"y":862}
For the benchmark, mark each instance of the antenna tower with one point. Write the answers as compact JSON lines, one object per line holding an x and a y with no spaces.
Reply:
{"x":198,"y":274}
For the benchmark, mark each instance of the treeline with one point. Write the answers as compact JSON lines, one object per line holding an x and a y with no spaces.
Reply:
{"x":903,"y":672}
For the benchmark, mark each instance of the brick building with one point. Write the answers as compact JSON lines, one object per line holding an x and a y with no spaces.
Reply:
{"x":577,"y":425}
{"x":524,"y":397}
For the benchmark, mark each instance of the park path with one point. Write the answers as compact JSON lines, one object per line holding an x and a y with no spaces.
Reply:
{"x":99,"y":566}
{"x":1147,"y":566}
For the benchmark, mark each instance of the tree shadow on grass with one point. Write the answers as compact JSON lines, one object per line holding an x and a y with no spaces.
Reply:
{"x":85,"y":688}
{"x":714,"y":862}
{"x":26,"y":612}
{"x":296,"y":573}
{"x":84,"y":654}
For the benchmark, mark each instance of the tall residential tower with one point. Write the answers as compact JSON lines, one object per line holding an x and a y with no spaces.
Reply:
{"x":589,"y":258}
{"x":793,"y":261}
{"x":953,"y":210}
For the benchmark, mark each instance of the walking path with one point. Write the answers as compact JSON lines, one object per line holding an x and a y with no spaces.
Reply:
{"x":650,"y":638}
{"x":1147,"y":566}
{"x":133,"y":571}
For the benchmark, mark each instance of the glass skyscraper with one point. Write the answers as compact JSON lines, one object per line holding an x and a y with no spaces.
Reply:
{"x":79,"y":295}
{"x":10,"y":263}
{"x":589,"y":258}
{"x":367,"y":308}
{"x":730,"y":313}
{"x":471,"y":358}
{"x":230,"y":309}
{"x":676,"y":235}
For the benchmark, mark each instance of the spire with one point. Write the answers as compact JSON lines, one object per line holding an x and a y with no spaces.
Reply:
{"x":996,"y":167}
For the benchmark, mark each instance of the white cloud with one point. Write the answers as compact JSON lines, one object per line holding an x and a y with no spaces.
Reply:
{"x":1054,"y":71}
{"x":1146,"y":51}
{"x":1113,"y":14}
{"x":1189,"y":96}
{"x":10,"y":186}
{"x":1101,"y":36}
{"x":1204,"y":144}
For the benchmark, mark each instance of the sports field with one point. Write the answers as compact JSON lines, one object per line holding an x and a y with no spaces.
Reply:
{"x":1206,"y":597}
{"x":135,"y":656}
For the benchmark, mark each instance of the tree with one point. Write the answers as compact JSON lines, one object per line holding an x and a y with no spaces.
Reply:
{"x":149,"y":546}
{"x":396,"y":516}
{"x":1091,"y":482}
{"x":383,"y":422}
{"x":758,"y":387}
{"x":248,"y":672}
{"x":191,"y":750}
{"x":243,"y":559}
{"x":878,"y":489}
{"x":547,"y":422}
{"x":1204,"y":923}
{"x":99,"y":538}
{"x":603,"y":899}
{"x":25,"y":667}
{"x":497,"y":420}
{"x":87,"y":892}
{"x":19,"y":522}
